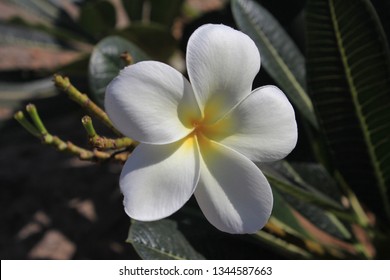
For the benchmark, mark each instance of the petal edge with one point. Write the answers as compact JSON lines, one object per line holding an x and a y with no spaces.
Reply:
{"x":222,"y":63}
{"x":157,"y":180}
{"x":232,"y":192}
{"x":146,"y":100}
{"x":262,"y":127}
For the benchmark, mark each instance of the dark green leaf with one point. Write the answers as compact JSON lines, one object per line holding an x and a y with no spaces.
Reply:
{"x":320,"y":218}
{"x":282,"y":211}
{"x":134,"y":9}
{"x":77,"y":69}
{"x":165,"y":12}
{"x":349,"y":81}
{"x":280,"y":56}
{"x":97,"y":18}
{"x":308,"y":200}
{"x":287,"y":180}
{"x":155,"y":39}
{"x":316,"y":176}
{"x":283,"y":247}
{"x":161,"y":240}
{"x":105,"y":63}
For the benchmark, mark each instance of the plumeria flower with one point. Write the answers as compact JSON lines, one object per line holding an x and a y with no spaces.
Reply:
{"x":201,"y":137}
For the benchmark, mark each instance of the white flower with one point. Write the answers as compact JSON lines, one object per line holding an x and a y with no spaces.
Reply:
{"x":201,"y":138}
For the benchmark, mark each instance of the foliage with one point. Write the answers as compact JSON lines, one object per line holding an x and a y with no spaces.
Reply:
{"x":160,"y":240}
{"x":335,"y":206}
{"x":347,"y":73}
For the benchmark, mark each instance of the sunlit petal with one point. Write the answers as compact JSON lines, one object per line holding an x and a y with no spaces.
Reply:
{"x":158,"y":179}
{"x":262,"y":127}
{"x":221,"y":63}
{"x":232,"y":192}
{"x":151,"y":102}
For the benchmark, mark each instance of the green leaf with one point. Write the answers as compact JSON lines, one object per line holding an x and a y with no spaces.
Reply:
{"x":282,"y":246}
{"x":286,"y":180}
{"x":315,"y":176}
{"x":282,"y":211}
{"x":105,"y":63}
{"x":155,"y":39}
{"x":322,"y":219}
{"x":309,"y":201}
{"x":77,"y":69}
{"x":160,"y":240}
{"x":97,"y":18}
{"x":165,"y":12}
{"x":280,"y":56}
{"x":349,"y":81}
{"x":134,"y":9}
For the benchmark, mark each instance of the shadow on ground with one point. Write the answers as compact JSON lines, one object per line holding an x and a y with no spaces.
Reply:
{"x":54,"y":206}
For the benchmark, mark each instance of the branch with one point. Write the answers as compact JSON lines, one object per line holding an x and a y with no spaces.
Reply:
{"x":38,"y":130}
{"x":83,"y":100}
{"x":103,"y":143}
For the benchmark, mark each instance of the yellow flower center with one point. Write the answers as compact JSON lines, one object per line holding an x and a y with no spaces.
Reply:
{"x":207,"y":127}
{"x":196,"y":124}
{"x":200,"y":128}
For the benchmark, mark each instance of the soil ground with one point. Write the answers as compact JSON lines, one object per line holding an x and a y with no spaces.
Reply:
{"x":52,"y":205}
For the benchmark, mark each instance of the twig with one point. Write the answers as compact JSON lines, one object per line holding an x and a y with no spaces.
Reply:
{"x":32,"y":111}
{"x":103,"y":143}
{"x":83,"y":100}
{"x":38,"y":130}
{"x":20,"y":117}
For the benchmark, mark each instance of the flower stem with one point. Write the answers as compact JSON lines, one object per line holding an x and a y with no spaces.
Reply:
{"x":87,"y":123}
{"x":21,"y":118}
{"x":103,"y":143}
{"x":38,"y":129}
{"x":32,"y":111}
{"x":83,"y":100}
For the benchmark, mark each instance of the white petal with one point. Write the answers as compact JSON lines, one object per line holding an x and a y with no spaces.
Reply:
{"x":262,"y":127}
{"x":151,"y":102}
{"x":158,"y":179}
{"x":221,"y":63}
{"x":232,"y":192}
